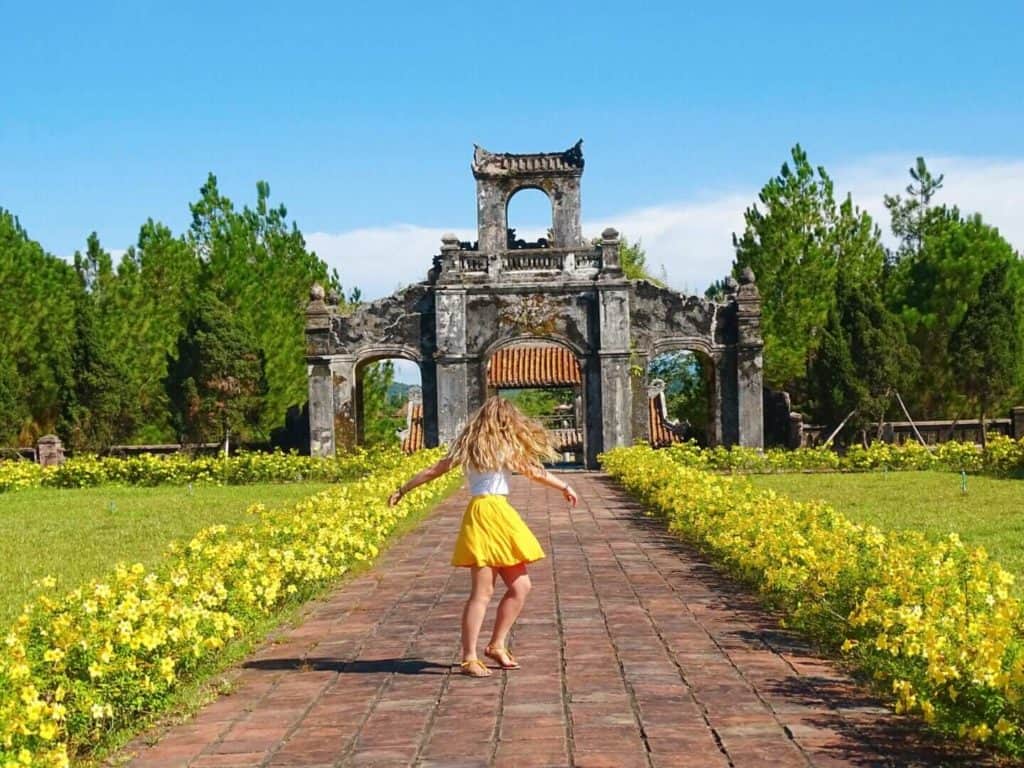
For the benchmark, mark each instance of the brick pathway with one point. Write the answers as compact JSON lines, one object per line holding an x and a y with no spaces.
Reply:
{"x":635,"y":653}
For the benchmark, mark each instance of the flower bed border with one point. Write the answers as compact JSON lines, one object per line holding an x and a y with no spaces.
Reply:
{"x":934,"y":622}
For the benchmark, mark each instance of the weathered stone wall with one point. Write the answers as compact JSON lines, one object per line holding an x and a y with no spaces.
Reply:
{"x":481,"y":296}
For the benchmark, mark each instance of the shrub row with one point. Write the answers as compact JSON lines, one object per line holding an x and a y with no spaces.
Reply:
{"x":77,"y":666}
{"x":180,"y":469}
{"x":1003,"y":456}
{"x":935,"y":622}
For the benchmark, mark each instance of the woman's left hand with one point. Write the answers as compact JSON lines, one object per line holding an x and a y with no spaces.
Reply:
{"x":570,"y":495}
{"x":395,"y":497}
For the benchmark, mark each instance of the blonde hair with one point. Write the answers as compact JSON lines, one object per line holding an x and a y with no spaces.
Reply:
{"x":499,"y":435}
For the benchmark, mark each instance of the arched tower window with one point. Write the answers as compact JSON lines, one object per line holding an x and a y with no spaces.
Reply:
{"x":530,"y":219}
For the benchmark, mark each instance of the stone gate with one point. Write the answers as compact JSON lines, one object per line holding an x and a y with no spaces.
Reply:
{"x":485,"y":296}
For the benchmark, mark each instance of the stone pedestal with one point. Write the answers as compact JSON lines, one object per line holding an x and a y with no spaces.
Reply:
{"x":1017,"y":422}
{"x":50,"y":451}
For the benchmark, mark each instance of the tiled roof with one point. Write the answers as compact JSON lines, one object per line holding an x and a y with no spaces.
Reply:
{"x":533,"y":366}
{"x":660,"y":429}
{"x":412,"y":440}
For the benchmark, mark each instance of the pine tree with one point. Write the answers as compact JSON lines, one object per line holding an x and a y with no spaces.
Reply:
{"x":216,"y":382}
{"x":985,"y":346}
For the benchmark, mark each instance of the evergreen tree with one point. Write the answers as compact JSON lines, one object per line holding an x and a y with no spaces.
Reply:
{"x":985,"y":346}
{"x":931,"y":288}
{"x":38,"y":294}
{"x":97,"y":408}
{"x":10,"y":402}
{"x":787,"y":243}
{"x":909,"y":214}
{"x":863,"y":358}
{"x":260,"y":266}
{"x":216,"y":383}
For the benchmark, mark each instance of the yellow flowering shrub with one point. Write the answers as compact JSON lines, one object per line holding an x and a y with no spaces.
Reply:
{"x":934,"y":621}
{"x":1003,"y":456}
{"x":76,"y":666}
{"x":178,"y":469}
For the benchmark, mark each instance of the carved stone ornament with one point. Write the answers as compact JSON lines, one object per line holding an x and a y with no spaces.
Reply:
{"x":528,"y":314}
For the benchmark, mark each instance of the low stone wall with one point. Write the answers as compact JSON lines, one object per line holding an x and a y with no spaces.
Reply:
{"x":933,"y":432}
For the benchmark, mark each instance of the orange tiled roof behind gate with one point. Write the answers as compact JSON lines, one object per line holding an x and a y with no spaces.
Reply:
{"x":535,"y":366}
{"x":414,"y":436}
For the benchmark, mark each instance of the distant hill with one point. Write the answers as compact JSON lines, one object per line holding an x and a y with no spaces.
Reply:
{"x":398,"y":392}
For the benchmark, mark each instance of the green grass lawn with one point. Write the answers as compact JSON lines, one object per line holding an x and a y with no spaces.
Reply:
{"x":79,"y":534}
{"x":990,"y":514}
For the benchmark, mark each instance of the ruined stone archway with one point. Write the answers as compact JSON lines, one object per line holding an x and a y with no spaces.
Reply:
{"x":480,"y":296}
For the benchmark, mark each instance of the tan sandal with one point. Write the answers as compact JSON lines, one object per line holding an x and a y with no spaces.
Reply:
{"x":474,"y":668}
{"x":495,"y":652}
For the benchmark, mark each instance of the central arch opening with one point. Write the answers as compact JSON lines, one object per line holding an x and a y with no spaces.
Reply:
{"x":529,"y":217}
{"x":544,"y":380}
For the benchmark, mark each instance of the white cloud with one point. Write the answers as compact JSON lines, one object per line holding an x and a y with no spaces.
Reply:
{"x":381,"y":259}
{"x":691,"y":239}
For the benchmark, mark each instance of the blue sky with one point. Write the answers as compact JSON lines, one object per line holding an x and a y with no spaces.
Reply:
{"x":362,"y":116}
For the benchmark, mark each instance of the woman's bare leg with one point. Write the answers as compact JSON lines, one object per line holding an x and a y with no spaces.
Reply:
{"x":517,"y":583}
{"x":476,"y":606}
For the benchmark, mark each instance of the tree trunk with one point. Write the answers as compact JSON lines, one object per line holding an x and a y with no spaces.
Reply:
{"x":984,"y":437}
{"x":227,"y":442}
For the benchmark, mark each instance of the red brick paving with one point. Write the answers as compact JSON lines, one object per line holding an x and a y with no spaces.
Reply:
{"x":635,"y":653}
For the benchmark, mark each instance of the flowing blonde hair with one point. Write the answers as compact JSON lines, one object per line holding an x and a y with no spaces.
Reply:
{"x":499,"y":435}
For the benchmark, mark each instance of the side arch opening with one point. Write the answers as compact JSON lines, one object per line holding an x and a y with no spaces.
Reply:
{"x":388,"y":402}
{"x":680,"y":391}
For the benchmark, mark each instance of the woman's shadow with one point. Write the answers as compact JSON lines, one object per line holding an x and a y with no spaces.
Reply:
{"x":374,"y":666}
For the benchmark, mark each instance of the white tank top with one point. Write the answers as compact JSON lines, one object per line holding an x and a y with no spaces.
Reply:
{"x":487,"y":482}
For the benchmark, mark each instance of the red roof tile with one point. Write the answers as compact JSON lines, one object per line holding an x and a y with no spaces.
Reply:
{"x":533,"y":366}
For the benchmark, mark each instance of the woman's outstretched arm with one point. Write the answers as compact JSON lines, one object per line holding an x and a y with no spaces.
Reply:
{"x":421,"y":477}
{"x":544,"y":477}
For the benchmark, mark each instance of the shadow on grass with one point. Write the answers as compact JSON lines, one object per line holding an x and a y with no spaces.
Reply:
{"x":369,"y":667}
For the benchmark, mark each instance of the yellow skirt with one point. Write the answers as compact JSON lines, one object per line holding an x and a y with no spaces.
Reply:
{"x":494,"y":534}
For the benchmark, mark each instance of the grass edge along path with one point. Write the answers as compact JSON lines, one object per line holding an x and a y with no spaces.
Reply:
{"x":74,"y":535}
{"x":932,"y":623}
{"x":989,"y":513}
{"x":80,"y":668}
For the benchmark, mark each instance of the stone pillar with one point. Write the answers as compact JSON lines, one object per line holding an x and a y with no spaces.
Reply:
{"x":594,"y":432}
{"x":726,"y":402}
{"x":321,"y":409}
{"x":449,"y":254}
{"x":1017,"y":422}
{"x":614,"y":357}
{"x":749,"y":363}
{"x":451,"y":364}
{"x":610,"y":260}
{"x":347,"y":411}
{"x":50,"y":451}
{"x":565,"y":213}
{"x":321,"y":392}
{"x":428,"y":379}
{"x":491,"y":215}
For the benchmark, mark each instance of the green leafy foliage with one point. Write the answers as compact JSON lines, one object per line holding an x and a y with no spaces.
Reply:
{"x":382,"y":403}
{"x":539,"y":402}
